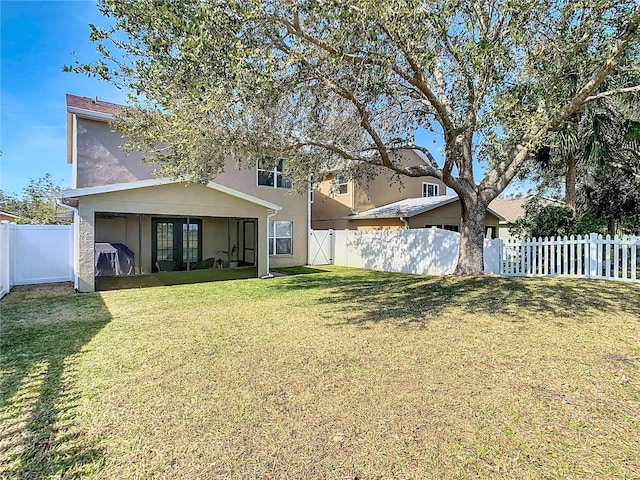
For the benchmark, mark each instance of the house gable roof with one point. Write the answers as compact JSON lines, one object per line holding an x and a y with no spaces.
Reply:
{"x":119,"y":187}
{"x":7,"y":214}
{"x":410,"y":207}
{"x":510,"y":208}
{"x":92,"y":107}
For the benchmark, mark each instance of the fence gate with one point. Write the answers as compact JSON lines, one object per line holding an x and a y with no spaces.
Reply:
{"x":321,"y":247}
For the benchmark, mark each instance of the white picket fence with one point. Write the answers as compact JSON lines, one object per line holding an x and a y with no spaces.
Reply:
{"x":435,"y":252}
{"x":588,"y":256}
{"x":34,"y":254}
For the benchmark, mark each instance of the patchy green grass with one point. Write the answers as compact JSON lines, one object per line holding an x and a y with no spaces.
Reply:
{"x":326,"y":373}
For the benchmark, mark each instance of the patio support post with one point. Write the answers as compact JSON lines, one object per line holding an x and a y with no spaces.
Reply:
{"x":273,"y":212}
{"x":238,"y":240}
{"x":139,"y":244}
{"x":188,"y":252}
{"x":229,"y":241}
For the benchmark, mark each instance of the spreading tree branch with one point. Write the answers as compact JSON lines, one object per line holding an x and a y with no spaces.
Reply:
{"x":630,"y":33}
{"x":609,"y":93}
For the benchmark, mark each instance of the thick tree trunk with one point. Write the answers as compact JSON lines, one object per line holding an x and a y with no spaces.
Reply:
{"x":471,"y":254}
{"x":570,"y":183}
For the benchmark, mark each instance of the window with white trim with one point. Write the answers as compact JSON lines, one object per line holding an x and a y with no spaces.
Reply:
{"x":451,"y":228}
{"x":281,"y":238}
{"x":342,"y":186}
{"x":430,"y":189}
{"x":272,"y":174}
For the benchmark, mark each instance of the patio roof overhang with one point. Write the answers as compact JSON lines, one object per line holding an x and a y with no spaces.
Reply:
{"x":71,"y":197}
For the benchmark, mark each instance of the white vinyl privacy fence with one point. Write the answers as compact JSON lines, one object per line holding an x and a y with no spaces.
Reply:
{"x":35,"y":254}
{"x":434,"y":251}
{"x":426,"y":251}
{"x":589,"y":256}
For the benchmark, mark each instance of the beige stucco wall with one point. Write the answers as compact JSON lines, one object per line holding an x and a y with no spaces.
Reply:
{"x":446,"y":215}
{"x":387,"y":188}
{"x":324,"y":190}
{"x":329,"y":209}
{"x":175,"y":199}
{"x":377,"y":224}
{"x":503,"y":231}
{"x":338,"y":224}
{"x":294,"y":208}
{"x":100,"y":161}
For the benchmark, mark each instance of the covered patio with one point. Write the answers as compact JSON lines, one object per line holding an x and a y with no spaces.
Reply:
{"x":177,"y":250}
{"x":164,"y":233}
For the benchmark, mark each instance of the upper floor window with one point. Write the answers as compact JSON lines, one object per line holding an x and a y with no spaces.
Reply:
{"x":342,"y":186}
{"x":430,"y":189}
{"x":272,"y":174}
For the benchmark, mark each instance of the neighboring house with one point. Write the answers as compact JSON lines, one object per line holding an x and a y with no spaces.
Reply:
{"x":128,"y":222}
{"x":441,"y":211}
{"x":510,"y":209}
{"x":336,"y":201}
{"x":9,"y":217}
{"x":388,"y":203}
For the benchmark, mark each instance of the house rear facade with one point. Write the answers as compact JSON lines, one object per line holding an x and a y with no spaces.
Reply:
{"x":128,"y":222}
{"x":389,"y":202}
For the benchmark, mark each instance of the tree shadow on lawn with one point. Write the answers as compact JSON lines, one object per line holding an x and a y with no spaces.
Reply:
{"x":367,"y":296}
{"x":43,"y":329}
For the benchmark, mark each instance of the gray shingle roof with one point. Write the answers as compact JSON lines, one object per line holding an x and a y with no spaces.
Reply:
{"x":409,"y":207}
{"x":93,"y":105}
{"x":510,"y":208}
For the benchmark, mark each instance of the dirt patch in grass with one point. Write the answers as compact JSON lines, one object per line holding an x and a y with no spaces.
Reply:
{"x":336,"y":373}
{"x":24,"y":292}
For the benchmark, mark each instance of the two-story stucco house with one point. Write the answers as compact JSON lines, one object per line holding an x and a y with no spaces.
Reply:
{"x":387,"y":203}
{"x":129,"y":223}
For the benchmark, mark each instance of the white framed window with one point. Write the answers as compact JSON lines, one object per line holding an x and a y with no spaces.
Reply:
{"x":273,"y":175}
{"x":451,"y":228}
{"x":281,"y":238}
{"x":430,"y":189}
{"x":342,"y":186}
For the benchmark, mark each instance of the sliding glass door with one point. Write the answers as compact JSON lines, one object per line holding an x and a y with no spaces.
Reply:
{"x":177,"y":240}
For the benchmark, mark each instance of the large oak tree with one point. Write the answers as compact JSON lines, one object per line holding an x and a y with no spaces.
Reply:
{"x":331,"y":84}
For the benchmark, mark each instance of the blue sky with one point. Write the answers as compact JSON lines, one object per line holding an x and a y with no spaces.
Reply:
{"x":38,"y":38}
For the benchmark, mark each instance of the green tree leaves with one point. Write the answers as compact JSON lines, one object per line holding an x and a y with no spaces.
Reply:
{"x":37,"y":205}
{"x":339,"y":85}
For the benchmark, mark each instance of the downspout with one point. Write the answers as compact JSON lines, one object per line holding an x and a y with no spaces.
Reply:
{"x":406,"y":223}
{"x":269,"y":216}
{"x":309,"y":196}
{"x":76,"y":235}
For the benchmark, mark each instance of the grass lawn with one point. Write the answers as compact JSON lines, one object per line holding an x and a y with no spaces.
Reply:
{"x":329,"y":373}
